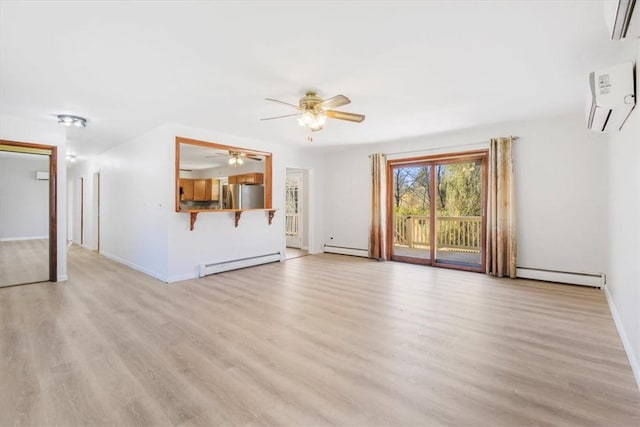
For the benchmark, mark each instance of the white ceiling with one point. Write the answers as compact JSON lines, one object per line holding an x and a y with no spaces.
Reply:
{"x":413,"y":68}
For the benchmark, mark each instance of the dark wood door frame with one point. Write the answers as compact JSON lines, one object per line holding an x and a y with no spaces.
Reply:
{"x":53,"y":200}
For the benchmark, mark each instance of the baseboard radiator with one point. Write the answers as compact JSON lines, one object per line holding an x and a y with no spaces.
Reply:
{"x":341,"y":250}
{"x":596,"y":280}
{"x":219,"y":267}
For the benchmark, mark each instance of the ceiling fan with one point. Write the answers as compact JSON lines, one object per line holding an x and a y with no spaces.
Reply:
{"x":313,"y":111}
{"x":237,"y":157}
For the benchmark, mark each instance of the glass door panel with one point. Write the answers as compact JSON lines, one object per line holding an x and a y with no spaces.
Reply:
{"x":411,"y":212}
{"x":458,"y":222}
{"x":293,"y":209}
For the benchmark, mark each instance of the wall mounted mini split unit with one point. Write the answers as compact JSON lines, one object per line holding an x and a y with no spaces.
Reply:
{"x":623,"y":18}
{"x":611,"y":97}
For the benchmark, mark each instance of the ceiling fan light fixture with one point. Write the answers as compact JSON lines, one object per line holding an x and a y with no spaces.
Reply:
{"x":69,"y":120}
{"x":235,"y":160}
{"x":313,"y":119}
{"x":314,"y":111}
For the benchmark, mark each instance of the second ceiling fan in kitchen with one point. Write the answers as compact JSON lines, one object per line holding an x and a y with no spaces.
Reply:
{"x":313,"y":111}
{"x":236,"y":158}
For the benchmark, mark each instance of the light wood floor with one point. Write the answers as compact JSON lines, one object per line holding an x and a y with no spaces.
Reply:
{"x":316,"y":340}
{"x":295,"y":253}
{"x":24,"y":261}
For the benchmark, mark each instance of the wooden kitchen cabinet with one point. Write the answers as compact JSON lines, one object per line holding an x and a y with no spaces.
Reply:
{"x":200,"y":190}
{"x":253,"y":178}
{"x":212,"y":189}
{"x":247,"y":178}
{"x":186,"y":187}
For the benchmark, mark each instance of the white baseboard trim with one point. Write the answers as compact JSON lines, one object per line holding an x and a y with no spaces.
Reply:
{"x":11,"y":239}
{"x":181,"y":277}
{"x":63,"y":278}
{"x":596,"y":280}
{"x":135,"y":266}
{"x":341,"y":250}
{"x":234,"y":264}
{"x":633,"y":360}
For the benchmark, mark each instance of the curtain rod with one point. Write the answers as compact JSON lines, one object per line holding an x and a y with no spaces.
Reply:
{"x":468,"y":144}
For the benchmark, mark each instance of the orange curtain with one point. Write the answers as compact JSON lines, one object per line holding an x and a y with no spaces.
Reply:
{"x":377,"y":240}
{"x":501,"y":247}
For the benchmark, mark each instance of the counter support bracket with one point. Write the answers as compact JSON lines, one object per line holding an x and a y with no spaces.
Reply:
{"x":194,"y":216}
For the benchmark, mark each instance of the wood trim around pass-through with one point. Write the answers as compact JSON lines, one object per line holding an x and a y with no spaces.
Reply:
{"x":53,"y":199}
{"x":268,"y":173}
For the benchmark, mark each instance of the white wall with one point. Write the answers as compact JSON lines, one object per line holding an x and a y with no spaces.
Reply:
{"x":623,"y":280}
{"x":76,"y":214}
{"x":561,"y":189}
{"x":139,"y":225}
{"x":135,"y":181}
{"x":24,"y":210}
{"x":348,"y":196}
{"x":47,"y":132}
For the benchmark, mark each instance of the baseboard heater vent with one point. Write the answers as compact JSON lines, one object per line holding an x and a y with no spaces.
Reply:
{"x":341,"y":250}
{"x":219,"y":267}
{"x":585,"y":279}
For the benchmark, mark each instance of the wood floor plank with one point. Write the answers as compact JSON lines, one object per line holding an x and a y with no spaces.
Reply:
{"x":316,"y":340}
{"x":24,"y":261}
{"x":19,"y":384}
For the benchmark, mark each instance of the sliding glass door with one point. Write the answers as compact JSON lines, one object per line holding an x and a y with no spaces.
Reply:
{"x":436,"y":208}
{"x":411,"y":201}
{"x":459,"y":214}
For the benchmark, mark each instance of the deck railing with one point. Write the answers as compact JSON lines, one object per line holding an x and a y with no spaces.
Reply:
{"x":453,"y":232}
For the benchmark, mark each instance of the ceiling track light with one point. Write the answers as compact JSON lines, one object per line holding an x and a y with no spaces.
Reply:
{"x":69,"y":120}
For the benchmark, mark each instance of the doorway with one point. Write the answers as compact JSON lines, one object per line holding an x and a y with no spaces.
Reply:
{"x":78,"y":211}
{"x":295,"y":213}
{"x":436,"y":206}
{"x":28,"y":231}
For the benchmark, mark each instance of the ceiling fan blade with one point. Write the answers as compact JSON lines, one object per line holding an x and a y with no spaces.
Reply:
{"x":282,"y":102}
{"x":341,"y":115}
{"x":280,"y":117}
{"x":336,"y":101}
{"x":246,"y":155}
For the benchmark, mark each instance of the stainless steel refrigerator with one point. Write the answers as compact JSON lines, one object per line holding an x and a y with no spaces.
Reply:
{"x":243,"y":196}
